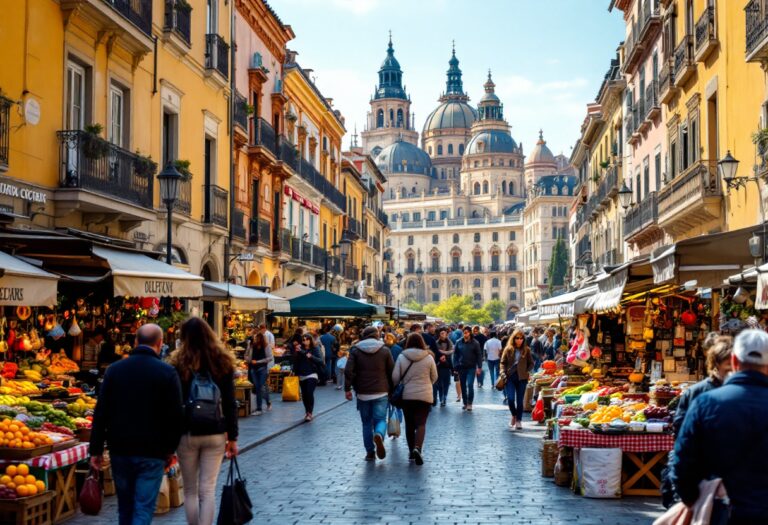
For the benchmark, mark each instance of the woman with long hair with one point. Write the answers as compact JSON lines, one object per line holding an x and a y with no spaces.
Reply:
{"x":416,"y":368}
{"x":258,"y":357}
{"x":202,"y":358}
{"x":516,"y":363}
{"x":306,"y":361}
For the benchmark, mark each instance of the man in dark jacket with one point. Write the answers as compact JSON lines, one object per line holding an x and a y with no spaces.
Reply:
{"x":479,"y":336}
{"x":369,"y":373}
{"x":468,"y":359}
{"x":725,"y":434}
{"x":139,"y":413}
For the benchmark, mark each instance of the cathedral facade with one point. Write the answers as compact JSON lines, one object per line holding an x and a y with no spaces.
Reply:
{"x":456,"y":204}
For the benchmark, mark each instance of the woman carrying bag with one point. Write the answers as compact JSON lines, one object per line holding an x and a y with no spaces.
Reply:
{"x":416,"y":369}
{"x":207,"y":373}
{"x":516,"y":363}
{"x":306,"y":361}
{"x":258,"y":357}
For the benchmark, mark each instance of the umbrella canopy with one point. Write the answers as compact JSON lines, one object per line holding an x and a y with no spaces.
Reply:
{"x":326,"y":304}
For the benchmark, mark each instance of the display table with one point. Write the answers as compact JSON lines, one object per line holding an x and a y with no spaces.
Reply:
{"x":643,"y":450}
{"x":243,"y":398}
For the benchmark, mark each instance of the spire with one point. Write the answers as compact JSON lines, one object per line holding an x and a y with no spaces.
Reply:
{"x":490,"y":107}
{"x":390,"y":76}
{"x":541,"y":138}
{"x":489,"y":85}
{"x":454,"y":87}
{"x":354,"y":137}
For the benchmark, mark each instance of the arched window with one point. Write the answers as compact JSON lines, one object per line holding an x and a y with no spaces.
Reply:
{"x":513,"y":282}
{"x":410,"y":263}
{"x":435,"y":239}
{"x":450,"y":149}
{"x":380,"y":118}
{"x":411,"y":285}
{"x":495,"y":262}
{"x":511,"y":188}
{"x":504,"y":187}
{"x":455,"y":283}
{"x":435,"y":262}
{"x":478,"y":298}
{"x":460,"y":212}
{"x":439,"y":149}
{"x":399,"y":118}
{"x":455,"y":238}
{"x":455,"y":262}
{"x":476,"y":188}
{"x":429,"y":150}
{"x":435,"y":284}
{"x":391,"y":117}
{"x":554,"y":211}
{"x":485,"y":186}
{"x":512,"y":261}
{"x":477,"y":262}
{"x":475,"y":215}
{"x":476,"y":283}
{"x":461,"y":149}
{"x":495,"y":283}
{"x":406,"y":216}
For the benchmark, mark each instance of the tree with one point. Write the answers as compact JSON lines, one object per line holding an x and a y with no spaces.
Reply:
{"x":413,"y":305}
{"x":459,"y":308}
{"x":495,"y":309}
{"x":558,"y":265}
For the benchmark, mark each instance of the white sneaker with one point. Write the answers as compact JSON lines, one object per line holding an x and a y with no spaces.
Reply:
{"x":258,"y":413}
{"x":519,"y":426}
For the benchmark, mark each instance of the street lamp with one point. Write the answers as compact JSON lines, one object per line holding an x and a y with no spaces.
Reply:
{"x":419,"y":277}
{"x":169,"y":180}
{"x":625,"y":196}
{"x":345,"y":245}
{"x":727,"y":167}
{"x":399,"y":278}
{"x":335,"y":249}
{"x":588,"y":266}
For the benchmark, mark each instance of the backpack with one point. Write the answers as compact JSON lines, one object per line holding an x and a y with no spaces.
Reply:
{"x":204,"y":411}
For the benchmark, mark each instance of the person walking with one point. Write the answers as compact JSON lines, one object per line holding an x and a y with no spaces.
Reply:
{"x":493,"y":352}
{"x":480,"y":337}
{"x":468,"y":359}
{"x":307,"y":359}
{"x":390,"y":341}
{"x":331,"y":346}
{"x":725,"y":433}
{"x":203,"y":360}
{"x":416,"y":369}
{"x":142,"y":434}
{"x":369,"y":373}
{"x":258,"y":357}
{"x":516,"y":363}
{"x":445,"y":352}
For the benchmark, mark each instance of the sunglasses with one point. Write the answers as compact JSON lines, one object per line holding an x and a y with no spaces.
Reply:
{"x":518,"y":337}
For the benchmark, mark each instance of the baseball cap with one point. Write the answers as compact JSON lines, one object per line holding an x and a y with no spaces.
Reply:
{"x":751,"y":346}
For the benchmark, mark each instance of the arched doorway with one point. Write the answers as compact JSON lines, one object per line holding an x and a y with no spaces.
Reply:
{"x":208,"y":273}
{"x":254,"y":279}
{"x":275,"y":283}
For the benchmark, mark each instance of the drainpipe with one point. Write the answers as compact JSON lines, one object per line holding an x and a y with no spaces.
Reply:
{"x":231,"y":129}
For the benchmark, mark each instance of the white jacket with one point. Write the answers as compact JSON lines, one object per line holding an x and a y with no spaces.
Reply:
{"x":419,"y":378}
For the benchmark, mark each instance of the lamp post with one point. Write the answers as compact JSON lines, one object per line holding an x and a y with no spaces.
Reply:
{"x":625,"y":196}
{"x":364,"y":276}
{"x":419,"y":279}
{"x":727,"y":167}
{"x":588,"y":266}
{"x":399,"y":278}
{"x":345,"y":245}
{"x":169,"y":180}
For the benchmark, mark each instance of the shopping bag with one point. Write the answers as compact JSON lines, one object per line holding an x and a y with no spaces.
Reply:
{"x":163,"y":497}
{"x":236,"y":507}
{"x":501,"y":382}
{"x":538,"y":411}
{"x":90,"y":495}
{"x":291,"y":388}
{"x":393,"y":424}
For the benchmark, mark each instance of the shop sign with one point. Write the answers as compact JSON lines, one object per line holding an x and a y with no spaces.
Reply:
{"x":635,"y":320}
{"x":158,"y":288}
{"x":302,"y":200}
{"x":11,"y":190}
{"x":11,"y":295}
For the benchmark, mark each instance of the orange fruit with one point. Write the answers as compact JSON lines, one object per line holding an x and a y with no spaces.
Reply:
{"x":22,"y":469}
{"x":9,"y":435}
{"x":11,"y":470}
{"x":28,"y":444}
{"x":18,"y":434}
{"x":40,"y":486}
{"x":22,"y":490}
{"x":13,"y":427}
{"x":4,"y":480}
{"x":19,"y":480}
{"x":30,"y":479}
{"x":25,"y":430}
{"x":11,"y":485}
{"x":31,"y":489}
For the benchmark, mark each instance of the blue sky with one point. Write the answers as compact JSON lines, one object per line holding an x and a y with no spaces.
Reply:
{"x":548,"y":57}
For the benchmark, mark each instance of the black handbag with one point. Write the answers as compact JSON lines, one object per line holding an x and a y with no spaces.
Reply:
{"x":396,"y":399}
{"x":236,"y":507}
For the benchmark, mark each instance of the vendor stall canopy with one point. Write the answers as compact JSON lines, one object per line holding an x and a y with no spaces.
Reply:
{"x":565,"y":305}
{"x":244,"y":298}
{"x":22,"y":284}
{"x":325,"y":304}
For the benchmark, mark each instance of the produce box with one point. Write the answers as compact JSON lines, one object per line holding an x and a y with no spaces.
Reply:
{"x":33,"y":510}
{"x":24,"y":453}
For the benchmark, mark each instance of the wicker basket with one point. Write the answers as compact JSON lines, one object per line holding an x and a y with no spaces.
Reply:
{"x":549,"y":455}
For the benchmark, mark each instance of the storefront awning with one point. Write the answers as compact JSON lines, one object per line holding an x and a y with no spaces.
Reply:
{"x":748,"y":276}
{"x":23,"y":284}
{"x":609,"y":291}
{"x":566,"y":305}
{"x":293,"y":290}
{"x":707,"y":259}
{"x":244,"y":298}
{"x":135,"y":274}
{"x":761,"y":302}
{"x":326,"y":304}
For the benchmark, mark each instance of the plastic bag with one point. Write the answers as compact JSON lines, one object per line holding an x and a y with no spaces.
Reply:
{"x":90,"y":495}
{"x":393,"y":424}
{"x":291,"y":388}
{"x":599,"y":472}
{"x":538,"y":411}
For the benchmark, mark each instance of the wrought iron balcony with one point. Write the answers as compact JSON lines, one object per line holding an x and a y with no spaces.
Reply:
{"x":183,"y":204}
{"x":512,"y":267}
{"x":667,"y":89}
{"x":706,"y":36}
{"x":756,"y":20}
{"x":684,"y":63}
{"x":238,"y":224}
{"x":455,"y":268}
{"x":642,"y":218}
{"x":217,"y":54}
{"x":640,"y":37}
{"x":583,"y":247}
{"x":609,"y":186}
{"x":261,"y":232}
{"x":310,"y":174}
{"x":216,"y":205}
{"x":91,"y":163}
{"x":652,"y":106}
{"x":241,"y":111}
{"x":382,"y":217}
{"x":264,"y":135}
{"x":692,"y":198}
{"x":376,"y":245}
{"x":354,"y":227}
{"x":178,"y":15}
{"x":139,"y":12}
{"x":5,"y":131}
{"x":434,"y":269}
{"x":351,"y":272}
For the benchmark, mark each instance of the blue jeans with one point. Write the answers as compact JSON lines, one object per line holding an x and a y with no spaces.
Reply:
{"x":373,"y":415}
{"x":515,"y":388}
{"x":443,"y":383}
{"x":137,"y":481}
{"x":259,"y":380}
{"x":467,"y":380}
{"x":330,"y":367}
{"x":493,"y":370}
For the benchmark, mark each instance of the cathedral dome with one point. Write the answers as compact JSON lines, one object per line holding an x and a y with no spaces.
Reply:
{"x":541,"y":154}
{"x":491,"y":141}
{"x":403,"y":157}
{"x":451,"y":114}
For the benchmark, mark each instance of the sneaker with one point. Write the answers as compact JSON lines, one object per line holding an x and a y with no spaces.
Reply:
{"x":519,"y":426}
{"x":458,"y":400}
{"x":442,"y":403}
{"x":464,"y":407}
{"x":469,"y":408}
{"x":378,"y":440}
{"x":258,"y":412}
{"x":479,"y":386}
{"x":269,"y":406}
{"x":338,"y":387}
{"x":514,"y":421}
{"x":411,"y":457}
{"x":417,"y":456}
{"x":370,"y":456}
{"x":308,"y":418}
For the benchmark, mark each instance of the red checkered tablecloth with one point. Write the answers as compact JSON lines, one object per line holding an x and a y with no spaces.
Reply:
{"x":646,"y":442}
{"x":54,"y":460}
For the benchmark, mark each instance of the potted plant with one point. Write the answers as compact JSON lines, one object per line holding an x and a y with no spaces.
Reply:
{"x":595,"y":177}
{"x":760,"y":139}
{"x":183,"y":167}
{"x":94,"y":147}
{"x":249,"y":108}
{"x":144,"y":166}
{"x":604,"y":164}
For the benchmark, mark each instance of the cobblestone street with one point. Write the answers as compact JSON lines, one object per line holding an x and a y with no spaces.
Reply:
{"x":476,"y":471}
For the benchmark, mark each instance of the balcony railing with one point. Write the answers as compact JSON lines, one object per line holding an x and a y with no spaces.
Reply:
{"x":609,"y":186}
{"x":376,"y":244}
{"x":238,"y":224}
{"x":583,"y":247}
{"x":354,"y":226}
{"x":641,"y":33}
{"x":264,"y":135}
{"x":641,"y":216}
{"x":351,"y":272}
{"x":310,"y":174}
{"x":183,"y":204}
{"x":693,"y":197}
{"x":217,"y":54}
{"x":756,"y":20}
{"x":177,"y":19}
{"x":260,"y":232}
{"x":92,"y":163}
{"x":666,"y":84}
{"x":241,"y":111}
{"x":285,"y":240}
{"x":5,"y":131}
{"x":382,"y":217}
{"x":139,"y":12}
{"x":652,"y":107}
{"x":215,"y":205}
{"x":512,"y":267}
{"x":684,"y":64}
{"x":705,"y":37}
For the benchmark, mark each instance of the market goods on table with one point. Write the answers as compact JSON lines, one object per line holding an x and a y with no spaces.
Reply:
{"x":17,"y":482}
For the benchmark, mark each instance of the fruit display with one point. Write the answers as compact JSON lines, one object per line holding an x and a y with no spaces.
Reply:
{"x":656,"y":412}
{"x":17,"y":482}
{"x":51,"y":415}
{"x":61,"y":364}
{"x":19,"y":387}
{"x":81,"y":407}
{"x":10,"y":401}
{"x":18,"y":435}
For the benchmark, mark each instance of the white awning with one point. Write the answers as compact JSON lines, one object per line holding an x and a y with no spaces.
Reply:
{"x":292,"y":291}
{"x":244,"y":298}
{"x":137,"y":275}
{"x":23,"y":284}
{"x":564,"y":306}
{"x":609,"y":291}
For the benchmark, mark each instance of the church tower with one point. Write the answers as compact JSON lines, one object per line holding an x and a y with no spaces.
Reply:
{"x":390,"y":118}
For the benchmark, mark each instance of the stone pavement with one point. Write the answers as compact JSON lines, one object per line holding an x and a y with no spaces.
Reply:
{"x":476,"y":471}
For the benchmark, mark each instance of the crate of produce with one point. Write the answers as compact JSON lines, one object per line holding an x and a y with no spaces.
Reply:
{"x":32,"y":510}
